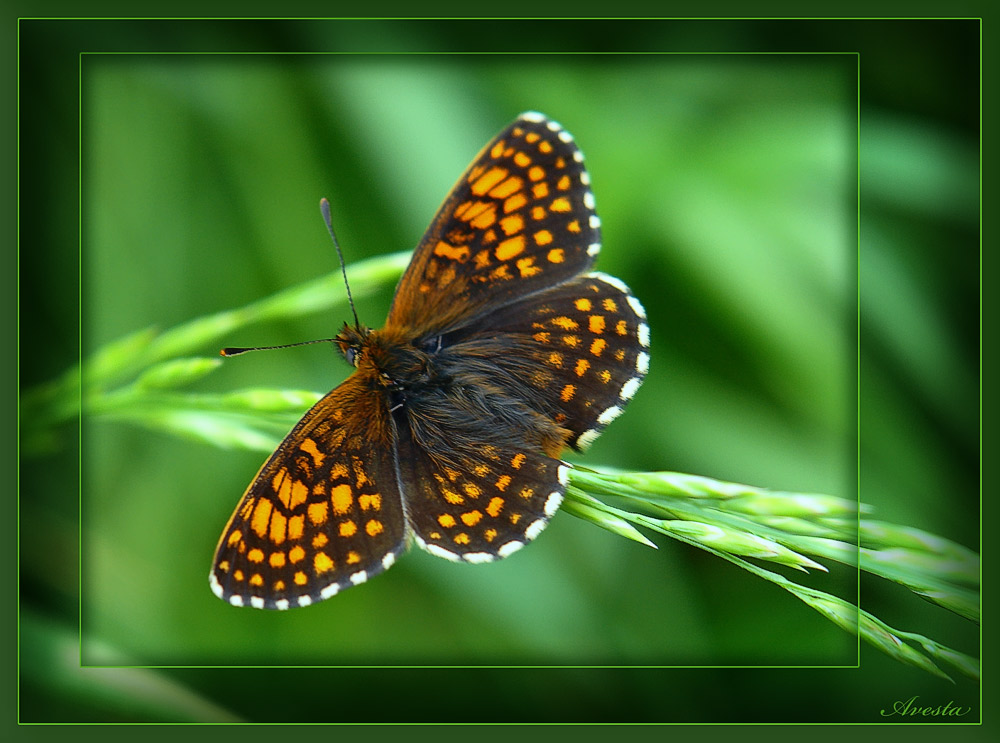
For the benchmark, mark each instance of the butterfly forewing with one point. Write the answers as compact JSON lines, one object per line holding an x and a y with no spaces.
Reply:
{"x":520,"y":219}
{"x":324,"y":512}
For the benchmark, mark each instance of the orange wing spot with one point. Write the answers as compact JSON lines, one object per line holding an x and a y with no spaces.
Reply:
{"x":452,"y":473}
{"x":565,"y":323}
{"x":290,"y":492}
{"x":443,"y":280}
{"x":278,"y":530}
{"x":497,"y":150}
{"x":567,"y":393}
{"x":475,"y":172}
{"x":495,"y":506}
{"x":446,"y":520}
{"x":527,"y":493}
{"x":462,"y":538}
{"x":543,"y":337}
{"x":502,"y":482}
{"x":247,"y":508}
{"x":238,"y":575}
{"x":536,"y":173}
{"x":236,"y":536}
{"x":517,"y":460}
{"x":295,"y":526}
{"x":353,"y":558}
{"x":481,"y":259}
{"x":443,"y":249}
{"x":452,"y":496}
{"x":310,"y":448}
{"x":489,"y":237}
{"x":540,"y":190}
{"x":348,"y":528}
{"x":581,"y":367}
{"x":555,"y":359}
{"x":574,"y":226}
{"x":256,"y":579}
{"x":604,"y":376}
{"x":322,"y":563}
{"x":521,"y":160}
{"x":509,"y":187}
{"x":276,"y":560}
{"x":527,"y":268}
{"x":571,"y":340}
{"x":261,"y":517}
{"x":620,"y":354}
{"x":510,"y":247}
{"x":371,"y":502}
{"x":514,"y":518}
{"x":435,"y":535}
{"x":532,"y":137}
{"x":490,"y":534}
{"x":556,"y":255}
{"x":560,"y":162}
{"x":584,"y":305}
{"x":374,"y":527}
{"x":545,"y":146}
{"x":514,"y":203}
{"x":543,"y":237}
{"x":596,"y":324}
{"x":481,"y":470}
{"x":488,"y":180}
{"x":484,"y":220}
{"x":472,"y":490}
{"x":490,"y":452}
{"x":609,"y":305}
{"x":472,"y":518}
{"x":338,"y":471}
{"x":300,"y":578}
{"x":320,"y":540}
{"x":509,"y":152}
{"x":255,"y":555}
{"x":538,"y":213}
{"x":598,"y":346}
{"x":563,"y":185}
{"x":561,"y":205}
{"x":512,"y":224}
{"x":621,"y":327}
{"x":224,"y":566}
{"x":341,"y":499}
{"x":462,"y":208}
{"x":296,"y":554}
{"x":317,"y":512}
{"x":279,"y":586}
{"x":501,"y":273}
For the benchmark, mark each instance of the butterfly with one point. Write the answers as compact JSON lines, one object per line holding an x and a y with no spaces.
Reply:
{"x":500,"y":351}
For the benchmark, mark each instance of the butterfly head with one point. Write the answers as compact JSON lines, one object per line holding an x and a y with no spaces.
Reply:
{"x":350,"y":341}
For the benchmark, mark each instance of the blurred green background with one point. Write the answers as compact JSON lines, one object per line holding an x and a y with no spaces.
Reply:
{"x":727,"y":190}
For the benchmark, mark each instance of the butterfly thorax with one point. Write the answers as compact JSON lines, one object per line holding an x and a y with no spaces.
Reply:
{"x":390,"y":359}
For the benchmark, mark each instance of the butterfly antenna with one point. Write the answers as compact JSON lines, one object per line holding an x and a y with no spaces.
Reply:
{"x":237,"y":351}
{"x":324,"y":207}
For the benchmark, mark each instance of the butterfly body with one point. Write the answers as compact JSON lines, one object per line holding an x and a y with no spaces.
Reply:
{"x":499,"y":352}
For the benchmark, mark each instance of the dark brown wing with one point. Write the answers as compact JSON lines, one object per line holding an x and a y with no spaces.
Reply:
{"x":519,"y":220}
{"x":576,"y":354}
{"x":323,"y":513}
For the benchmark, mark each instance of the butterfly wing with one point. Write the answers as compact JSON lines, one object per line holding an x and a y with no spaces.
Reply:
{"x":323,"y":513}
{"x":520,"y":219}
{"x":476,"y":488}
{"x":577,"y":352}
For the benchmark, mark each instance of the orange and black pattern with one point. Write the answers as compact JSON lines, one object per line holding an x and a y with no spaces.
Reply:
{"x":499,"y":352}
